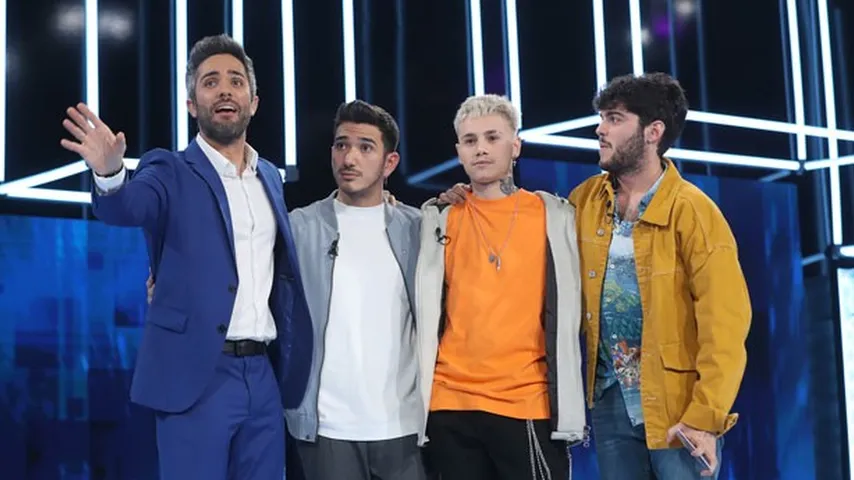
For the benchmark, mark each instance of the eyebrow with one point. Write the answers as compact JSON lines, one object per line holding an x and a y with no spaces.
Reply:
{"x":488,"y":132}
{"x":612,"y":112}
{"x":213,"y":73}
{"x":363,"y":139}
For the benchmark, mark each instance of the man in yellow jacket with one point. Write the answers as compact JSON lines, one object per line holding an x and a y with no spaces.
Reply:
{"x":666,"y":310}
{"x":665,"y":303}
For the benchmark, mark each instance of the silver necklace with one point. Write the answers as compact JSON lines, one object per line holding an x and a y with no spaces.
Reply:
{"x":493,"y":256}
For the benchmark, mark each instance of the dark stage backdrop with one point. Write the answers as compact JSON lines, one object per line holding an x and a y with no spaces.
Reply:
{"x":72,"y":300}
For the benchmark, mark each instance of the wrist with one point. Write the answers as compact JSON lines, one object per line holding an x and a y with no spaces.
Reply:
{"x":110,"y":172}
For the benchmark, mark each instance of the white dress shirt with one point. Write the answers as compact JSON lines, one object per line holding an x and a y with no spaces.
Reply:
{"x":255,"y":230}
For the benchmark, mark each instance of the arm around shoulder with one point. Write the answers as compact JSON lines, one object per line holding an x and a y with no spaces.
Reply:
{"x":142,"y":199}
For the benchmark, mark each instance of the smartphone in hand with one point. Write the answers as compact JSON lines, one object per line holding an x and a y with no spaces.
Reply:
{"x":688,"y":444}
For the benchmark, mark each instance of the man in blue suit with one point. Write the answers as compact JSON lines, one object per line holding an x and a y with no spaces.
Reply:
{"x":228,"y":339}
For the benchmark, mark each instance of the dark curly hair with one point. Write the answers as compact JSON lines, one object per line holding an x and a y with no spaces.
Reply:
{"x":651,"y":96}
{"x":359,"y":111}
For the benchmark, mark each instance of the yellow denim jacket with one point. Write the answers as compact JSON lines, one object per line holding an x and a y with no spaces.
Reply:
{"x":696,"y":309}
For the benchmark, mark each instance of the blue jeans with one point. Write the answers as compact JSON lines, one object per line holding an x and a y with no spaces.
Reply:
{"x":621,"y":449}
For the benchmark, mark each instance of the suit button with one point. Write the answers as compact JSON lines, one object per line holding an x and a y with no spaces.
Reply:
{"x":600,"y":232}
{"x":232,"y":289}
{"x":222,"y":329}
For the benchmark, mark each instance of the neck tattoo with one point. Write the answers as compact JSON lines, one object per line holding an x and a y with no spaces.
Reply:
{"x":507,"y":186}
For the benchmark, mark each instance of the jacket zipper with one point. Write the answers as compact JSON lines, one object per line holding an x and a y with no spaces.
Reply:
{"x":403,"y":275}
{"x":323,"y":335}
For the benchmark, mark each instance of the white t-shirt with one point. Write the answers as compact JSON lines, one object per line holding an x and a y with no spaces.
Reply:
{"x":369,"y":370}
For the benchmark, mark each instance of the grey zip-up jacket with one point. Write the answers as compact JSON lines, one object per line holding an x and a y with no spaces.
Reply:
{"x":315,"y":230}
{"x":561,"y":312}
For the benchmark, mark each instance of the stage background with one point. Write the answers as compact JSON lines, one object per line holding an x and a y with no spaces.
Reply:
{"x":72,"y":294}
{"x":77,"y":304}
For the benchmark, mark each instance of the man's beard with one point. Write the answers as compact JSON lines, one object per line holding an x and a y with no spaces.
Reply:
{"x":223,"y":133}
{"x":627,"y":158}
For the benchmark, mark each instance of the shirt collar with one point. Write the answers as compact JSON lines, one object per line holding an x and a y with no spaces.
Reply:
{"x":647,"y":197}
{"x":222,"y":165}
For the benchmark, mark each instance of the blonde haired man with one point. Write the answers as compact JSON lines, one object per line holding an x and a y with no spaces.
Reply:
{"x":498,"y":303}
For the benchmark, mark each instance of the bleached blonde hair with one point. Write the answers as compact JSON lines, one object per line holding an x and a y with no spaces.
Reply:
{"x":485,"y":105}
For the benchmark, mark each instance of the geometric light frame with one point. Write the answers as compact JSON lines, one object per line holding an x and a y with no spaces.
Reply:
{"x":549,"y":134}
{"x":32,"y":187}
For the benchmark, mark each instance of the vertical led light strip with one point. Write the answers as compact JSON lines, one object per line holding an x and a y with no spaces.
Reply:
{"x":182,"y":126}
{"x":237,"y":20}
{"x":513,"y":67}
{"x":349,"y":26}
{"x":845,"y":288}
{"x":3,"y":91}
{"x":830,"y":111}
{"x":476,"y":32}
{"x":93,"y":100}
{"x":797,"y":75}
{"x":599,"y":43}
{"x":637,"y":36}
{"x":289,"y":81}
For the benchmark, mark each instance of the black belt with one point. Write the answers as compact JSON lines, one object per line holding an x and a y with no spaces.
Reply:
{"x":244,"y":348}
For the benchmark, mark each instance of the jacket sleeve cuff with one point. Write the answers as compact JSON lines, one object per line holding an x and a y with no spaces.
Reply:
{"x":707,"y":419}
{"x":108,"y":185}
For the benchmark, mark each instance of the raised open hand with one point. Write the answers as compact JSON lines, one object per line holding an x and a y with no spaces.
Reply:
{"x":100,"y":148}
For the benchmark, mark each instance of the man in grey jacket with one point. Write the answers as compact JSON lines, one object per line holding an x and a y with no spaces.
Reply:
{"x":361,"y":412}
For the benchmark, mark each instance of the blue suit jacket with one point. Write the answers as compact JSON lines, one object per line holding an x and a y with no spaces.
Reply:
{"x":179,"y":201}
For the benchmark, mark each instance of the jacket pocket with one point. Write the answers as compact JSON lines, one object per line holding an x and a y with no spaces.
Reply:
{"x":168,"y":318}
{"x":679,"y":375}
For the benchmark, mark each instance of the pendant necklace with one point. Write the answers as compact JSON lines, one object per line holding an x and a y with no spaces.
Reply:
{"x":493,"y":256}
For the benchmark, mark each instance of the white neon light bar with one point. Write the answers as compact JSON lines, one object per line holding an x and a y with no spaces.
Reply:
{"x":54,"y":175}
{"x":675,"y":153}
{"x":710,"y":118}
{"x":45,"y":177}
{"x":832,"y":143}
{"x":476,"y":30}
{"x":797,"y":75}
{"x":767,"y":125}
{"x":827,"y":163}
{"x":237,"y":20}
{"x":289,"y":82}
{"x":564,"y":126}
{"x":513,"y":68}
{"x":599,"y":43}
{"x":637,"y":36}
{"x":3,"y":91}
{"x":182,"y":122}
{"x":433,"y":171}
{"x":62,"y":196}
{"x":93,"y":99}
{"x":349,"y":26}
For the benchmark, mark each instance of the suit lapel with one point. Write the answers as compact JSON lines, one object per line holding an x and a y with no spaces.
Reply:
{"x":276,"y":197}
{"x":200,"y":163}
